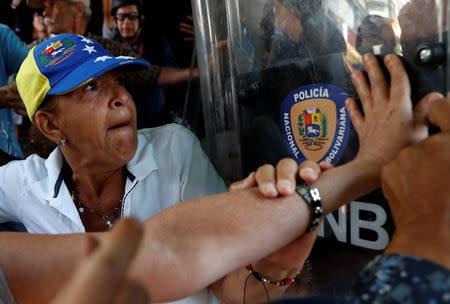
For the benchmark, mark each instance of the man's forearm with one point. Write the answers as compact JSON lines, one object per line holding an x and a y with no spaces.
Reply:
{"x":185,"y":247}
{"x":337,"y":186}
{"x":172,"y":76}
{"x":345,"y":183}
{"x":209,"y":237}
{"x":37,"y":266}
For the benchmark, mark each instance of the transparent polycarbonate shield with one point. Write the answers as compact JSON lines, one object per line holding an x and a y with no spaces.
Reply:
{"x":275,"y":75}
{"x":253,"y":54}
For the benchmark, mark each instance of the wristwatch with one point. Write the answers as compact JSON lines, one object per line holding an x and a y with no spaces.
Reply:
{"x":311,"y":195}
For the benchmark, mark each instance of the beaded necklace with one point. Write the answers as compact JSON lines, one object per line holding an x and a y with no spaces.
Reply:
{"x":107,"y":218}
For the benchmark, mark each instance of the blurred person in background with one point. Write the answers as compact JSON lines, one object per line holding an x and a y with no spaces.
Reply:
{"x":13,"y":52}
{"x":72,"y":16}
{"x":147,"y":42}
{"x":378,"y":35}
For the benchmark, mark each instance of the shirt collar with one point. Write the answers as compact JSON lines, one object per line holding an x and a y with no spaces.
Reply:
{"x":142,"y":164}
{"x":54,"y":164}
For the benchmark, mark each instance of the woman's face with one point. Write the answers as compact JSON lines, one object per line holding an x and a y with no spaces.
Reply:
{"x":98,"y":121}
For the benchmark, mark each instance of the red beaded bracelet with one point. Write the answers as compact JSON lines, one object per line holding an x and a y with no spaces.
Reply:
{"x":259,"y":277}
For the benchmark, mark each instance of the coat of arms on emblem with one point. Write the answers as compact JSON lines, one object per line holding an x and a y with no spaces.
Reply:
{"x":56,"y":52}
{"x":312,"y":126}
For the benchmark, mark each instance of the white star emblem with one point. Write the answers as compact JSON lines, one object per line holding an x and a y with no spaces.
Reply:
{"x":103,"y":58}
{"x":87,"y":40}
{"x":89,"y":49}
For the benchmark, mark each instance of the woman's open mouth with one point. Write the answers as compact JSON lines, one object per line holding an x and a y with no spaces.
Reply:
{"x":120,"y":125}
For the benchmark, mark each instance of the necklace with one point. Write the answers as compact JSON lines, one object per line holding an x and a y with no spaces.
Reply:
{"x":107,"y":218}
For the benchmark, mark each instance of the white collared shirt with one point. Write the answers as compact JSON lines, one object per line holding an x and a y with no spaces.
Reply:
{"x":169,"y":167}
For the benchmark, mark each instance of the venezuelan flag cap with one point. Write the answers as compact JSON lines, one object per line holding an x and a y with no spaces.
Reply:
{"x":63,"y":63}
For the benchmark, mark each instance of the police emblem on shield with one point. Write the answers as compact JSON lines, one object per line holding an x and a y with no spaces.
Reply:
{"x":315,"y":123}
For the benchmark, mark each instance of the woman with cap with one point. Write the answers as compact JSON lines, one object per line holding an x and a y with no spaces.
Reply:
{"x":104,"y":170}
{"x":74,"y":94}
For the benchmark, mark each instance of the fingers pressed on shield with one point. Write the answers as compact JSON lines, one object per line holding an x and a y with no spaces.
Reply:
{"x":355,"y":114}
{"x":380,"y":91}
{"x":400,"y":86}
{"x":363,"y":89}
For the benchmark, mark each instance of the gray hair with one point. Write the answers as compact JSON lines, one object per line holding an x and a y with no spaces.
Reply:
{"x":87,"y":7}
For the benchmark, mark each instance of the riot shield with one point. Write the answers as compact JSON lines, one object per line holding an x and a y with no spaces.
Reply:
{"x":274,"y":76}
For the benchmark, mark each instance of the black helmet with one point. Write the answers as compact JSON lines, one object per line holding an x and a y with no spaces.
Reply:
{"x":118,"y":3}
{"x":302,"y":8}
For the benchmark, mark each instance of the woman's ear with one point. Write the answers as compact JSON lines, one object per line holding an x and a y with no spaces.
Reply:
{"x":45,"y":122}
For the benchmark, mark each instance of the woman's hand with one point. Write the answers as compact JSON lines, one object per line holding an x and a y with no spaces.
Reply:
{"x":388,"y":123}
{"x":281,"y":180}
{"x":188,"y":28}
{"x":287,"y":261}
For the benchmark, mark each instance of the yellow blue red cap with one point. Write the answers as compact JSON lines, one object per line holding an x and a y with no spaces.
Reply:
{"x":62,"y":64}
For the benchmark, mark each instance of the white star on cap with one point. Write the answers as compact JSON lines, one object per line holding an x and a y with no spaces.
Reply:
{"x":125,"y":57}
{"x":86,"y":40}
{"x":103,"y":58}
{"x":89,"y":49}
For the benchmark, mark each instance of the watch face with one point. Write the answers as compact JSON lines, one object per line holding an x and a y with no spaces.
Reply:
{"x":302,"y":190}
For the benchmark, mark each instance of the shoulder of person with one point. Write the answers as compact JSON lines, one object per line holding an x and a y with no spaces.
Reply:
{"x":4,"y":28}
{"x":171,"y":143}
{"x":8,"y":37}
{"x":33,"y":167}
{"x":398,"y":278}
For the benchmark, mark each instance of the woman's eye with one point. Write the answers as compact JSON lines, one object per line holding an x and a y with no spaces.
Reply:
{"x":90,"y":87}
{"x":121,"y":81}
